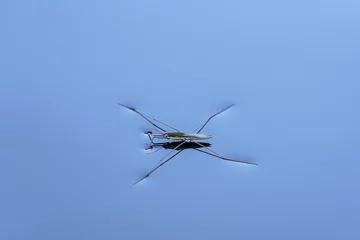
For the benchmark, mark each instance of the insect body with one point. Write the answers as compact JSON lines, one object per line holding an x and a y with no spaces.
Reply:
{"x":181,"y":136}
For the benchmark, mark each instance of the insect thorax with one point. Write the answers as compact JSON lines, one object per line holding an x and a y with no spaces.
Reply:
{"x":174,"y":134}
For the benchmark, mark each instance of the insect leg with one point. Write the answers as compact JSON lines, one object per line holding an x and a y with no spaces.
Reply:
{"x":147,"y":175}
{"x":215,"y":154}
{"x":159,"y":164}
{"x":136,"y":111}
{"x":206,"y":122}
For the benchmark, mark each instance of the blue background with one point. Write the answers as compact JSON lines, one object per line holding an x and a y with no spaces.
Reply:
{"x":69,"y":154}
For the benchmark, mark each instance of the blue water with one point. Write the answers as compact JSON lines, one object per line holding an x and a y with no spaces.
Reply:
{"x":70,"y":154}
